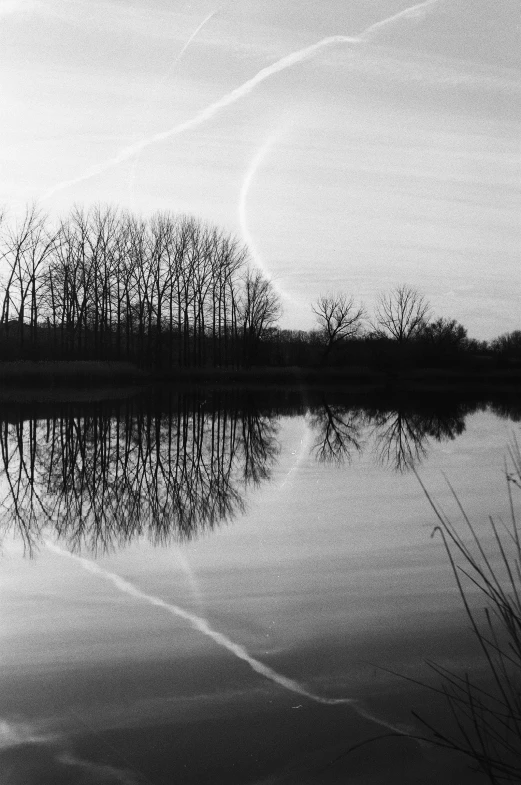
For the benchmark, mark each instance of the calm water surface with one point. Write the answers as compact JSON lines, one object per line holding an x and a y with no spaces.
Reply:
{"x":212,"y":588}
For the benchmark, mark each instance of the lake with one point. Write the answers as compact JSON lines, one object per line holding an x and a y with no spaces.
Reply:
{"x":221,"y":586}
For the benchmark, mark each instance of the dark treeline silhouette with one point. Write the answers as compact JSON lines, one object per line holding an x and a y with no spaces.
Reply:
{"x":171,"y":466}
{"x":103,"y":284}
{"x":400,"y":334}
{"x":172,"y":292}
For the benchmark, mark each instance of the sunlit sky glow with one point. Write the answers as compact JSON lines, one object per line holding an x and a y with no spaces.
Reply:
{"x":363,"y":165}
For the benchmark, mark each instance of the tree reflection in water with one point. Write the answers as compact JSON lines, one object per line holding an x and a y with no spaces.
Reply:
{"x":101,"y":477}
{"x":399,"y":441}
{"x":338,"y":432}
{"x":173,"y":466}
{"x":399,"y":434}
{"x":401,"y":437}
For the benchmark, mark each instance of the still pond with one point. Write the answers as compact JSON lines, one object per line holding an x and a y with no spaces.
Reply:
{"x":220,"y":587}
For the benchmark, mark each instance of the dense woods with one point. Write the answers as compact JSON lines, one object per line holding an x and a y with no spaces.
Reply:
{"x":171,"y":292}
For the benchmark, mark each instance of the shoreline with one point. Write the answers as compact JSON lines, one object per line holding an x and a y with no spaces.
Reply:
{"x":55,"y":370}
{"x":87,"y":378}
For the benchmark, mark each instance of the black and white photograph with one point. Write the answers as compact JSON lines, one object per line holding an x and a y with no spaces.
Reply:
{"x":260,"y":392}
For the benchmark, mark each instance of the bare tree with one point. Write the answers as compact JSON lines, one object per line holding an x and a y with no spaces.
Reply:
{"x":109,"y":284}
{"x":260,"y":309}
{"x":339,"y":318}
{"x":28,"y":247}
{"x":402,"y":314}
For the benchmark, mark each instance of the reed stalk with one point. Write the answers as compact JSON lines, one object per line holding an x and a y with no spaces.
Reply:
{"x":486,"y":714}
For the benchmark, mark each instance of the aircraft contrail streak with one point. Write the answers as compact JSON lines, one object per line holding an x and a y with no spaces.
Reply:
{"x":407,"y":13}
{"x":246,"y":183}
{"x":240,"y":92}
{"x":205,"y":114}
{"x":194,"y":34}
{"x":202,"y":625}
{"x":165,"y":76}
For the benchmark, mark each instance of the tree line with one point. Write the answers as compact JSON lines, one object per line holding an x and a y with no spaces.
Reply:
{"x":106,"y":284}
{"x":172,"y":291}
{"x":402,"y":331}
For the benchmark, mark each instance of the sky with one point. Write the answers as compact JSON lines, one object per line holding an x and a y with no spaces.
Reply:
{"x":354,"y":145}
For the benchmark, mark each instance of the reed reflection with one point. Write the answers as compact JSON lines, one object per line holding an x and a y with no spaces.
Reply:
{"x":101,"y":477}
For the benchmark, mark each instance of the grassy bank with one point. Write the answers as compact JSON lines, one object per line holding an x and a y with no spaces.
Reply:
{"x":352,"y":377}
{"x":26,"y":373}
{"x":30,"y":374}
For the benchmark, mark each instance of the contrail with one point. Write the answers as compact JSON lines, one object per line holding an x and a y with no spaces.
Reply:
{"x":99,"y":772}
{"x":168,"y":71}
{"x":185,"y":46}
{"x":408,"y":13}
{"x":204,"y":114}
{"x":246,"y":183}
{"x":239,"y":92}
{"x":194,"y":34}
{"x":201,"y":625}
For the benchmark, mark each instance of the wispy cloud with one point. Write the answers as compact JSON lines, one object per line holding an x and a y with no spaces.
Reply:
{"x":288,"y":61}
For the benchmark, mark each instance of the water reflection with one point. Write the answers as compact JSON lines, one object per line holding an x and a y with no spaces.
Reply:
{"x":171,"y":466}
{"x":398,"y":434}
{"x":339,"y":432}
{"x":104,"y":476}
{"x":402,"y":437}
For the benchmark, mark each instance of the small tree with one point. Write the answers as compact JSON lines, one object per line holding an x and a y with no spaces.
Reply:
{"x":339,"y":318}
{"x":401,"y":315}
